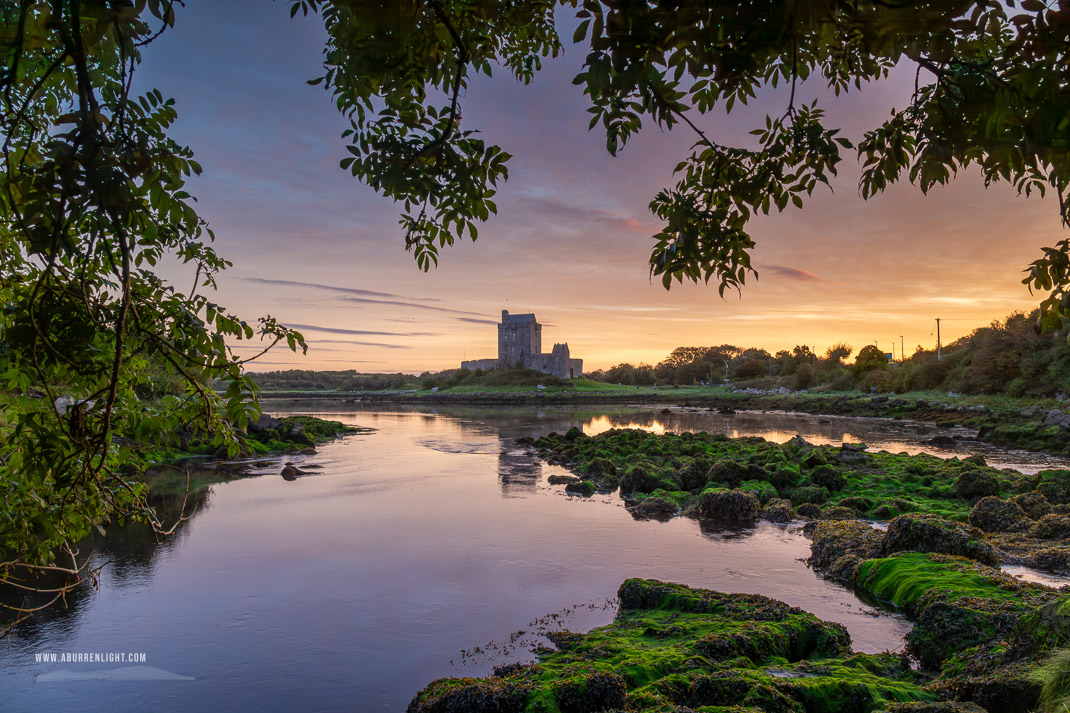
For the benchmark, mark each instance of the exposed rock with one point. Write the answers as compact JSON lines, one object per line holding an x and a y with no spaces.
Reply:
{"x":941,"y":442}
{"x":729,"y":505}
{"x":992,"y":514}
{"x":852,"y":456}
{"x":290,"y":472}
{"x":800,"y":444}
{"x":264,"y":423}
{"x":926,"y":533}
{"x":976,"y":484}
{"x":562,"y":479}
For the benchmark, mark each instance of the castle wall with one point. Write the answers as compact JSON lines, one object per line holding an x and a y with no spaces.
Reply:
{"x":484,"y":364}
{"x":520,"y":344}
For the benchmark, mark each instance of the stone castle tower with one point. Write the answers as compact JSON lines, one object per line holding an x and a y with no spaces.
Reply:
{"x":520,"y":345}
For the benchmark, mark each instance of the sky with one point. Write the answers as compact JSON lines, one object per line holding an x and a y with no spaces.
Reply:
{"x":319,"y":251}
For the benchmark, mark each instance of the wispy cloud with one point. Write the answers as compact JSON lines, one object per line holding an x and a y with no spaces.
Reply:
{"x":332,"y":288}
{"x":412,"y":305}
{"x":792,"y":273}
{"x":359,"y":332}
{"x":474,"y":320}
{"x":575,"y":213}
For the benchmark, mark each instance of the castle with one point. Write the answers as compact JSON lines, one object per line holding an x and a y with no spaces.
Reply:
{"x":520,"y":344}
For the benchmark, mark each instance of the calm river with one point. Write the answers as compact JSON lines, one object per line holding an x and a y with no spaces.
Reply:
{"x":351,"y":589}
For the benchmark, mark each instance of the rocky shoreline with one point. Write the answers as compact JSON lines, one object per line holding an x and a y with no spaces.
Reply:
{"x":267,"y":437}
{"x":982,"y":640}
{"x":1043,"y":428}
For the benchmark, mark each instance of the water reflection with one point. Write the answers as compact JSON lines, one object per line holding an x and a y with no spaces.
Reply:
{"x":435,"y":533}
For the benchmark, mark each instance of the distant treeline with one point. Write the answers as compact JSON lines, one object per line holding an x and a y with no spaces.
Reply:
{"x":301,"y":380}
{"x":349,"y":380}
{"x":1006,"y":357}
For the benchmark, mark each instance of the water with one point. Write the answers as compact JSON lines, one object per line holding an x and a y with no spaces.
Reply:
{"x":352,"y":589}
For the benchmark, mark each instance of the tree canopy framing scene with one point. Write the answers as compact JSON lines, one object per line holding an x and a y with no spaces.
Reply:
{"x":212,"y":209}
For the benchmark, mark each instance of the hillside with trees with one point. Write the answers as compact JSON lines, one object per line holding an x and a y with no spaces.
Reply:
{"x":1006,"y":357}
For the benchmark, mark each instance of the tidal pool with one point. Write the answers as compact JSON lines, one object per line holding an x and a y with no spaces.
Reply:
{"x":435,"y":534}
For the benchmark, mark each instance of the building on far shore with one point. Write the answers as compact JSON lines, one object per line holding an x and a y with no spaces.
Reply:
{"x":520,"y":345}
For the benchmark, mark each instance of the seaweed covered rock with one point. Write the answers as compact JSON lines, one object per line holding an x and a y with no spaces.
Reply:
{"x":639,"y":478}
{"x":472,"y":695}
{"x":926,"y":533}
{"x":813,"y":494}
{"x":737,"y":506}
{"x":933,"y":707}
{"x":557,"y":479}
{"x":838,"y":512}
{"x":694,"y":474}
{"x":1054,"y":485}
{"x":582,"y":487}
{"x":594,"y":691}
{"x":597,"y":467}
{"x":992,"y":514}
{"x":655,"y":508}
{"x":1052,"y":559}
{"x":958,"y":603}
{"x":809,"y":511}
{"x":886,"y":512}
{"x":832,"y":539}
{"x":976,"y":484}
{"x":1051,"y":527}
{"x":674,"y":649}
{"x":762,"y":490}
{"x":828,"y":477}
{"x":857,"y":504}
{"x":1033,"y":504}
{"x":728,"y":472}
{"x":778,"y":510}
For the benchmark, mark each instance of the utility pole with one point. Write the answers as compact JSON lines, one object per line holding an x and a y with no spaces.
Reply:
{"x":902,"y":349}
{"x":937,"y":339}
{"x":893,"y":351}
